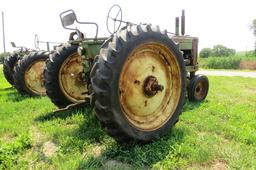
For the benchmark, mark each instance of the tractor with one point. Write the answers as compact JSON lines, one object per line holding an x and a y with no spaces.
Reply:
{"x":136,"y":79}
{"x":67,"y":72}
{"x":23,"y":69}
{"x":11,"y":61}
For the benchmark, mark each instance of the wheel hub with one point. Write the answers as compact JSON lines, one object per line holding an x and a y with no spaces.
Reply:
{"x":200,"y":90}
{"x":151,"y":86}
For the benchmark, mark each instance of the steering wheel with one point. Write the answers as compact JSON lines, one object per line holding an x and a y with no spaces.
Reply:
{"x":115,"y":15}
{"x":36,"y":41}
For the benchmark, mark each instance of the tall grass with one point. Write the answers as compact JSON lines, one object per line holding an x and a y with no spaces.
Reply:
{"x":231,"y":62}
{"x":223,"y":63}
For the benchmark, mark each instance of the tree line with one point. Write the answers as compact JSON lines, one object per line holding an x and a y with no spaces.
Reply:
{"x":217,"y":51}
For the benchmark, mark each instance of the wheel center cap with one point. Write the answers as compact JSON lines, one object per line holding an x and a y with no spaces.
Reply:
{"x":151,"y":86}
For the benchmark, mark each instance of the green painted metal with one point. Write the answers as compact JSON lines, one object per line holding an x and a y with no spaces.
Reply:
{"x":189,"y":46}
{"x":185,"y":42}
{"x":90,"y":48}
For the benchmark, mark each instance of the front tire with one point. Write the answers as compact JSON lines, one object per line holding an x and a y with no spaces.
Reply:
{"x":198,"y":88}
{"x":139,"y":84}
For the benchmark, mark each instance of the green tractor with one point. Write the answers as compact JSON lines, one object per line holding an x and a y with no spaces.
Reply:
{"x":11,"y":61}
{"x":67,"y":72}
{"x":137,"y":79}
{"x":23,"y":69}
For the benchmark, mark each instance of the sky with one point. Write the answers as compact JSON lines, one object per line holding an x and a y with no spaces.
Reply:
{"x":215,"y":22}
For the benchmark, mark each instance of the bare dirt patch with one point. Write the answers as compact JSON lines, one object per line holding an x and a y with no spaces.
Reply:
{"x":251,"y":65}
{"x":97,"y":151}
{"x":219,"y":165}
{"x":113,"y":164}
{"x":36,"y":135}
{"x":49,"y":148}
{"x":215,"y":165}
{"x":7,"y":137}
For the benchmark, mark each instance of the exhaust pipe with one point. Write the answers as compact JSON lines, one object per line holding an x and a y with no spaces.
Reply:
{"x":177,"y":26}
{"x":183,"y":22}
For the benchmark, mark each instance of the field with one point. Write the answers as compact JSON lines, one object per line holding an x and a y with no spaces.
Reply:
{"x":219,"y":133}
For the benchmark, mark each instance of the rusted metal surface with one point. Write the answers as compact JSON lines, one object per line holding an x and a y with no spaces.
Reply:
{"x":151,"y":86}
{"x":71,"y":79}
{"x":143,"y":111}
{"x":34,"y":79}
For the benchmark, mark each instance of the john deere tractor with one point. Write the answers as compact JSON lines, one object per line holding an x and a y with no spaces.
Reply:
{"x":138,"y":77}
{"x":11,"y":61}
{"x":24,"y":69}
{"x":67,"y":72}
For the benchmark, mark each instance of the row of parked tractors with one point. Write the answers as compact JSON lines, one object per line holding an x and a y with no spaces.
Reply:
{"x":136,"y":79}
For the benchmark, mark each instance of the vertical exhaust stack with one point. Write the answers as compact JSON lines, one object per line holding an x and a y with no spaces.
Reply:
{"x":177,"y":26}
{"x":183,"y":23}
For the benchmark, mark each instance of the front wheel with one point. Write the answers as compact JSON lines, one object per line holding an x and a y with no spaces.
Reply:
{"x":139,"y":84}
{"x":198,"y":88}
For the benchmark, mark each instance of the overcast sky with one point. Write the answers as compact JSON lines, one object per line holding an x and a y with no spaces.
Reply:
{"x":213,"y":21}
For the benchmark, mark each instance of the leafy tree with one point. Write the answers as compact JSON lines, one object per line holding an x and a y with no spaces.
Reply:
{"x":205,"y":53}
{"x":222,"y":51}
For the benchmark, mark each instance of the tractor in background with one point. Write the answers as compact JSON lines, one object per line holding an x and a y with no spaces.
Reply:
{"x":67,"y":72}
{"x":23,"y":70}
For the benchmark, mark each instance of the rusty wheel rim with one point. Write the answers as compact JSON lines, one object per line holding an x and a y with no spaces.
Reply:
{"x":71,"y":79}
{"x":34,"y":79}
{"x":155,"y":63}
{"x":200,"y":90}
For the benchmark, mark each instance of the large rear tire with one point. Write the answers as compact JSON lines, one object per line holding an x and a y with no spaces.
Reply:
{"x":28,"y":74}
{"x":63,"y":75}
{"x":139,"y":84}
{"x":8,"y":66}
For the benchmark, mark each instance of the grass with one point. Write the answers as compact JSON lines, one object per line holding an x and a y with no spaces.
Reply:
{"x":217,"y":133}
